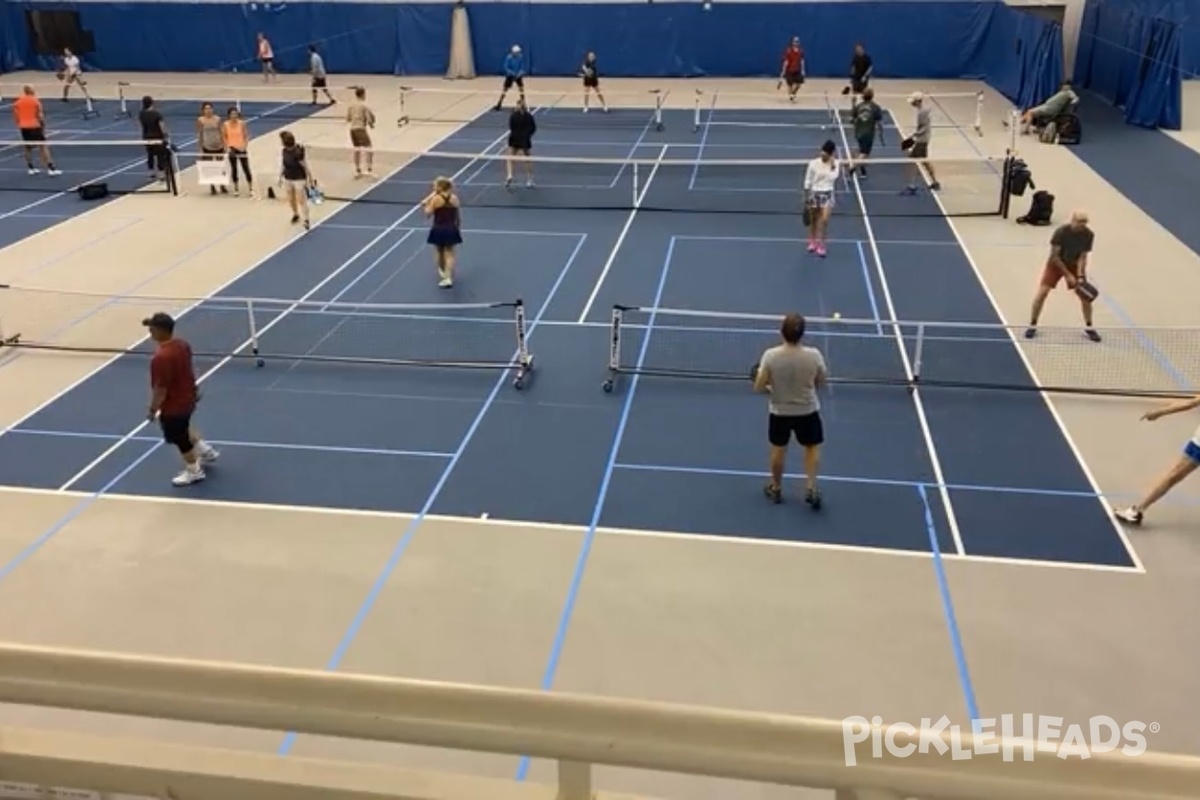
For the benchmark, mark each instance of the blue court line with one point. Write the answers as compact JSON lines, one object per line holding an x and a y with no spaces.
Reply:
{"x":30,"y":549}
{"x":370,"y":268}
{"x":116,"y":299}
{"x":964,"y":487}
{"x":589,"y":538}
{"x":866,"y":273}
{"x":703,"y":140}
{"x":956,"y":642}
{"x":393,"y":560}
{"x":109,"y":437}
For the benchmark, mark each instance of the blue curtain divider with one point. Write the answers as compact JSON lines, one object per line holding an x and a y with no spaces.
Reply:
{"x":1134,"y":60}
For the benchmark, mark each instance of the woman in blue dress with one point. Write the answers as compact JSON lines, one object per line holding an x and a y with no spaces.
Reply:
{"x":445,"y":232}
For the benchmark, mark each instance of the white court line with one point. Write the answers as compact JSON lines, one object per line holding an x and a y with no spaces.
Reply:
{"x":578,"y":530}
{"x":486,"y":231}
{"x":918,"y":404}
{"x":1016,"y":344}
{"x":275,"y":252}
{"x":262,"y":330}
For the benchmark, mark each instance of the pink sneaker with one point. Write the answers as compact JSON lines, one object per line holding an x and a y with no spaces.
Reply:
{"x":812,"y":246}
{"x":821,"y":249}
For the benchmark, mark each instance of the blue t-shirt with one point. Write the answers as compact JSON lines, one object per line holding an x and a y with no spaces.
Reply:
{"x":514,"y":65}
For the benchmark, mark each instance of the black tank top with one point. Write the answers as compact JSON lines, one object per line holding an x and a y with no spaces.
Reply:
{"x":446,"y":215}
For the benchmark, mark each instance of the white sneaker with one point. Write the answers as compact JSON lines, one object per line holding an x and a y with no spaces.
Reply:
{"x":53,"y":172}
{"x":188,"y":477}
{"x":33,"y":170}
{"x":445,"y":282}
{"x":210,"y":456}
{"x":529,"y":183}
{"x":585,"y":109}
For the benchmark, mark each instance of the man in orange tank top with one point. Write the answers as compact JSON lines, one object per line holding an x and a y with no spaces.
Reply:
{"x":27,"y":113}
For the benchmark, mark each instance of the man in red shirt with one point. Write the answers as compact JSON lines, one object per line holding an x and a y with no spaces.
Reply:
{"x":173,"y":396}
{"x":793,"y":67}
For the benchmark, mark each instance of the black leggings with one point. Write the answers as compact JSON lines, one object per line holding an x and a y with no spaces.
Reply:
{"x":237,"y":157}
{"x":157,"y":157}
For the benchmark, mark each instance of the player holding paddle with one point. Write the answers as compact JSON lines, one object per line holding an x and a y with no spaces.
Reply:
{"x":820,"y":185}
{"x":1069,"y":249}
{"x":590,"y":72}
{"x":792,"y":68}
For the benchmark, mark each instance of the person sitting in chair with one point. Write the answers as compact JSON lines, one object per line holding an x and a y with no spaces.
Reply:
{"x":1058,"y":104}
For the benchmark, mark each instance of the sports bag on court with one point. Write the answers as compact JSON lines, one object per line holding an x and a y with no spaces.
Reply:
{"x":1041,"y":210}
{"x":1070,"y":130}
{"x":1019,"y":178}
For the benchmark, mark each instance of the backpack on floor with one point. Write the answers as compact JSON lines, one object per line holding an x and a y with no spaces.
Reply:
{"x":1041,"y":210}
{"x":1070,"y":131}
{"x":1019,"y":178}
{"x":1049,"y":134}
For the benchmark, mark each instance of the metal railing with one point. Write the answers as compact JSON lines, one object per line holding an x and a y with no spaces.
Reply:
{"x":575,"y":731}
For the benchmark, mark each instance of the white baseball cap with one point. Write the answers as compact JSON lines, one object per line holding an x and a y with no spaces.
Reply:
{"x":915,"y":97}
{"x":516,"y":48}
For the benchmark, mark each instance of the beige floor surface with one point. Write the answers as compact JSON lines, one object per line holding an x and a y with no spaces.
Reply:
{"x":813,"y":630}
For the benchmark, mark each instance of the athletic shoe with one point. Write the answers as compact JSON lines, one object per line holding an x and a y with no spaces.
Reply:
{"x":812,"y":246}
{"x":773,"y":493}
{"x":210,"y":456}
{"x":508,"y":183}
{"x":445,"y":283}
{"x":1031,"y":332}
{"x":307,"y":225}
{"x":33,"y":170}
{"x":54,"y":171}
{"x":1091,"y":333}
{"x":188,"y":477}
{"x":295,"y":218}
{"x":909,"y":191}
{"x":821,"y":250}
{"x":813,"y":498}
{"x":529,"y":183}
{"x":1130,"y":516}
{"x":935,"y":186}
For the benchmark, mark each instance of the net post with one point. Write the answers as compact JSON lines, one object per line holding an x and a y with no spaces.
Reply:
{"x":1006,"y":185}
{"x":659,"y":98}
{"x":171,"y":169}
{"x":614,"y":349}
{"x":918,"y":351}
{"x":89,"y":108}
{"x":636,"y":183}
{"x":403,"y":119}
{"x":979,"y":113}
{"x":524,"y":358}
{"x":696,"y":112}
{"x":253,"y":337}
{"x":123,"y":101}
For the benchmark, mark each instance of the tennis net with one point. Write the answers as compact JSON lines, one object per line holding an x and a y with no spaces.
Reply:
{"x":124,"y":166}
{"x":271,"y":100}
{"x":970,"y":186}
{"x":712,"y":345}
{"x":719,"y":108}
{"x":264,"y":330}
{"x":626,"y":108}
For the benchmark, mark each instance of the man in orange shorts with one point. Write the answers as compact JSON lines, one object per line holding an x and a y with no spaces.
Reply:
{"x":1069,"y":249}
{"x":27,"y":113}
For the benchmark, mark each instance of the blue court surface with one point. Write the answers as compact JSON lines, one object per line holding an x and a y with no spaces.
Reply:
{"x":968,"y":472}
{"x":102,"y":147}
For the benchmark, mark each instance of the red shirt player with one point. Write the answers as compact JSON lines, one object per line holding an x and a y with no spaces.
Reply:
{"x":173,"y":396}
{"x":793,"y":67}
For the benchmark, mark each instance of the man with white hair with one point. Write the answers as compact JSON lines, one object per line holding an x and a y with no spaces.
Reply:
{"x":918,"y":144}
{"x":514,"y":74}
{"x":1069,"y":249}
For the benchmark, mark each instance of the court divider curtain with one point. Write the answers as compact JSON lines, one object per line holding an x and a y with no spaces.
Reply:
{"x":462,"y":60}
{"x":1156,"y":97}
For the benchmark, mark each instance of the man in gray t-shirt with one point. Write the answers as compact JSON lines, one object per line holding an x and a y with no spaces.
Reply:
{"x":316,"y":68}
{"x":791,"y":373}
{"x":920,"y":139}
{"x":1069,"y":249}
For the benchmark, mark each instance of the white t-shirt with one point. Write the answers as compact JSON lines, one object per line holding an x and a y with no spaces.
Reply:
{"x":821,"y":176}
{"x":71,"y":64}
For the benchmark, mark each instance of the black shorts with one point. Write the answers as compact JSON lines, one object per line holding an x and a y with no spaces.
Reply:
{"x":318,"y":83}
{"x":808,"y":430}
{"x":520,"y":144}
{"x":859,"y":85}
{"x":591,"y":81}
{"x":510,"y":80}
{"x":794,"y":79}
{"x":176,"y":430}
{"x":267,"y":62}
{"x":866,"y":144}
{"x":33,"y":134}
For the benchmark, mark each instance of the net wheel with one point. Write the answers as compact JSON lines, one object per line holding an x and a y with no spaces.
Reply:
{"x":659,"y":127}
{"x":260,"y":363}
{"x":608,"y":387}
{"x":518,"y":383}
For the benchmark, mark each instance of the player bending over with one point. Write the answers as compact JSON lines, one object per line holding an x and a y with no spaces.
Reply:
{"x":791,"y":373}
{"x":792,"y":68}
{"x":820,"y":184}
{"x":320,"y":78}
{"x":867,"y":118}
{"x":445,"y":229}
{"x":71,"y":73}
{"x":521,"y":128}
{"x":514,"y":74}
{"x":1185,"y":465}
{"x":590,"y":72}
{"x":173,"y":397}
{"x":1069,"y":249}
